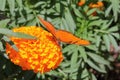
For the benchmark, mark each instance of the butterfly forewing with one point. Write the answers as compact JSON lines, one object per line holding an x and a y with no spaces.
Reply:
{"x":48,"y":26}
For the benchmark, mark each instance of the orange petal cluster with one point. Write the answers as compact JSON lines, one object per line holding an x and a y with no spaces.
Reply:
{"x":40,"y":55}
{"x":81,"y":2}
{"x":99,"y":5}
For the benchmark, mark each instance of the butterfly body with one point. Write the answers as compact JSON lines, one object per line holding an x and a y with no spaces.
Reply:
{"x":62,"y":35}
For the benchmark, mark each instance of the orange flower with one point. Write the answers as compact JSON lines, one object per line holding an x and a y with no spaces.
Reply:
{"x":41,"y":55}
{"x":99,"y":5}
{"x":81,"y":2}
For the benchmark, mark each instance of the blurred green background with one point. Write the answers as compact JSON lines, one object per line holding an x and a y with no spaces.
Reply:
{"x":98,"y":61}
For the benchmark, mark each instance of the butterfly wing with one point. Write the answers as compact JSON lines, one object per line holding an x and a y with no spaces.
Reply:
{"x":48,"y":26}
{"x":63,"y":35}
{"x":69,"y":38}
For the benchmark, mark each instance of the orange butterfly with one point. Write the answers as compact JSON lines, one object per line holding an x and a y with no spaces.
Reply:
{"x":63,"y":35}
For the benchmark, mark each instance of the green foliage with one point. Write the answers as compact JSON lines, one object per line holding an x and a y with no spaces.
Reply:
{"x":80,"y":62}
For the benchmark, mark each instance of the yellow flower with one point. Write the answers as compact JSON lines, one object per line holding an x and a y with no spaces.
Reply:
{"x":41,"y":55}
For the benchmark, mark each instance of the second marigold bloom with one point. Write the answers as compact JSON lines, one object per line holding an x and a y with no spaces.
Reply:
{"x":41,"y":55}
{"x":81,"y":2}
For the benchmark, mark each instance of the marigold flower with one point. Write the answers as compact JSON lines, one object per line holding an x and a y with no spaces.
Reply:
{"x":99,"y":5}
{"x":81,"y":2}
{"x":41,"y":55}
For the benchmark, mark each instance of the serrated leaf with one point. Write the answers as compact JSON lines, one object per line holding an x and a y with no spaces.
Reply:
{"x":23,"y":19}
{"x":6,"y":56}
{"x":11,"y":6}
{"x":106,"y":24}
{"x":39,"y":3}
{"x":68,"y":48}
{"x":98,"y":39}
{"x":1,"y":46}
{"x":107,"y":42}
{"x":5,"y":38}
{"x":64,"y":25}
{"x":107,"y":12}
{"x":84,"y":73}
{"x":113,"y":41}
{"x":116,"y":8}
{"x":94,"y":66}
{"x":89,"y":12}
{"x":113,"y":29}
{"x":93,"y":77}
{"x":69,"y":19}
{"x":98,"y":58}
{"x":3,"y":23}
{"x":57,"y":5}
{"x":117,"y":35}
{"x":23,"y":35}
{"x":20,"y":3}
{"x":74,"y":59}
{"x":77,"y":12}
{"x":31,"y":22}
{"x":2,"y":5}
{"x":95,"y":23}
{"x":15,"y":34}
{"x":92,"y":47}
{"x":82,"y":53}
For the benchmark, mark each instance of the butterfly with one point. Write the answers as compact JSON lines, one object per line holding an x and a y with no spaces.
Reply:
{"x":63,"y":35}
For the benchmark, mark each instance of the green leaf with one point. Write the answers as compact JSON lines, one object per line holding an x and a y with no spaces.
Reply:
{"x":94,"y":66}
{"x":107,"y":42}
{"x":64,"y":25}
{"x":5,"y":38}
{"x":1,"y":46}
{"x":82,"y":53}
{"x":92,"y":47}
{"x":106,"y":24}
{"x":74,"y":59}
{"x":2,"y":5}
{"x":57,"y":5}
{"x":98,"y":58}
{"x":11,"y":6}
{"x":68,"y":48}
{"x":89,"y":12}
{"x":113,"y":28}
{"x":94,"y":77}
{"x":23,"y":35}
{"x":3,"y":23}
{"x":98,"y":39}
{"x":15,"y":34}
{"x":107,"y":12}
{"x":84,"y":73}
{"x":39,"y":3}
{"x":23,"y":19}
{"x":96,"y":23}
{"x":20,"y":3}
{"x":117,"y":35}
{"x":70,"y":21}
{"x":116,"y":8}
{"x":77,"y":12}
{"x":31,"y":22}
{"x":113,"y":41}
